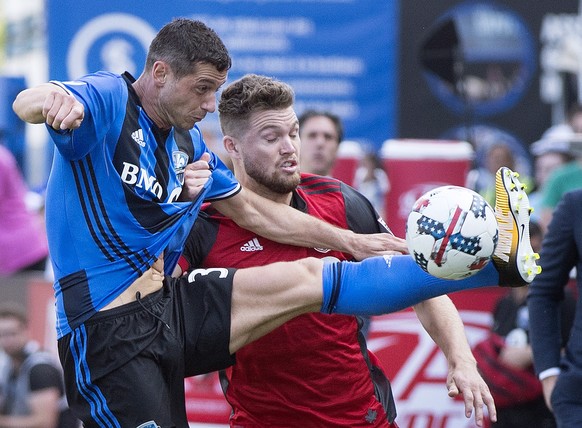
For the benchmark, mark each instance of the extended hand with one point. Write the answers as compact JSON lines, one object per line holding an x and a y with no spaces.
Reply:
{"x":465,"y":379}
{"x":548,"y":385}
{"x":378,"y":244}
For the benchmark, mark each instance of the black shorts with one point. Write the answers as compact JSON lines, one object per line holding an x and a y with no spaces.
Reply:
{"x":125,"y":367}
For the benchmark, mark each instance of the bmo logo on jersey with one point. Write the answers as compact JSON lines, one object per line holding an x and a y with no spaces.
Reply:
{"x":139,"y":177}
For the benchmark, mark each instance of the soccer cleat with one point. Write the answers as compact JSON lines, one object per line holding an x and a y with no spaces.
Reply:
{"x":514,"y":257}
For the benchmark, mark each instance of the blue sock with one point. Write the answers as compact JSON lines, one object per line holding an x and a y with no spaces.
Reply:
{"x":381,"y":285}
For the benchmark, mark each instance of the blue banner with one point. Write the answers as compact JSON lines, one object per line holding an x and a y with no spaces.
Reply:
{"x":339,"y":55}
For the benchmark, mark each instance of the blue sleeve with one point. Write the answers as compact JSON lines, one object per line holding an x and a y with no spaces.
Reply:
{"x":224,"y":183}
{"x":102,"y":95}
{"x":558,"y":256}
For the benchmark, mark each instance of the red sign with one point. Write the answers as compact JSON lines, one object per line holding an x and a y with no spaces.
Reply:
{"x":416,"y":166}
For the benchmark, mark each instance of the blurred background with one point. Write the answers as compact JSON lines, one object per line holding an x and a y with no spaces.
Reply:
{"x":390,"y":69}
{"x":430,"y":87}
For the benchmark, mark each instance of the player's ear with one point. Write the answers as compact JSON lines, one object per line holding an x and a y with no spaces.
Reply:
{"x":231,"y":146}
{"x":160,"y":71}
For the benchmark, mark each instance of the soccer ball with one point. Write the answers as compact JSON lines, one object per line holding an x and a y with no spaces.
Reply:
{"x":451,"y":232}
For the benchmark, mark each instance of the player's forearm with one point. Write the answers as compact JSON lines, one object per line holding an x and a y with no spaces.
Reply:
{"x":442,"y":322}
{"x":281,"y":223}
{"x":29,"y":103}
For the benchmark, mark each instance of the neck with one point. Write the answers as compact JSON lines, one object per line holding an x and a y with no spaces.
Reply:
{"x":142,"y":88}
{"x":273,"y":196}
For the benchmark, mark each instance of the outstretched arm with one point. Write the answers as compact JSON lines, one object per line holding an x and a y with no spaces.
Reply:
{"x":49,"y":103}
{"x":281,"y":223}
{"x":442,"y":322}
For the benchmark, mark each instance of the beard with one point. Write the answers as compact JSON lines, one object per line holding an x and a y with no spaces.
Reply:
{"x":278,"y":183}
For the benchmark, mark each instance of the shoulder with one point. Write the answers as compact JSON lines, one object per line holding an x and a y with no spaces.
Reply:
{"x":340,"y":199}
{"x":206,"y":226}
{"x":570,"y":201}
{"x":569,"y":206}
{"x":101,"y":80}
{"x":318,"y":184}
{"x":574,"y":196}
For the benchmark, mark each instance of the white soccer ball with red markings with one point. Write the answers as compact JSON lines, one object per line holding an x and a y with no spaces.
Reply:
{"x":451,"y":232}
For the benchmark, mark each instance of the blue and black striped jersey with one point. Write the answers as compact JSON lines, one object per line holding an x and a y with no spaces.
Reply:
{"x":112,"y":198}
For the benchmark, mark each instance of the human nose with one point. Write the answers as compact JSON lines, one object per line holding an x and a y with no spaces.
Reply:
{"x":287,"y":146}
{"x":319,"y":140}
{"x":209,"y":103}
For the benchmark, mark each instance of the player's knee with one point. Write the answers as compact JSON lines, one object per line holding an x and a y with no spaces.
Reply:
{"x":313,"y":267}
{"x":309,"y":273}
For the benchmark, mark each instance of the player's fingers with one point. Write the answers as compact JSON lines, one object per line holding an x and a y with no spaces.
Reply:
{"x":74,"y":118}
{"x":50,"y":110}
{"x":397,"y":244}
{"x":469,"y":400}
{"x":191,"y":175}
{"x":200,"y":164}
{"x":478,"y":407}
{"x":63,"y":111}
{"x":490,"y":403}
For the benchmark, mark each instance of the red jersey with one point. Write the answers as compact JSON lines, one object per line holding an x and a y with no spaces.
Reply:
{"x":315,"y":370}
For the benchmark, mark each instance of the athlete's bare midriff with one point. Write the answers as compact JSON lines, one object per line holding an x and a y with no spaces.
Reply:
{"x":151,"y":281}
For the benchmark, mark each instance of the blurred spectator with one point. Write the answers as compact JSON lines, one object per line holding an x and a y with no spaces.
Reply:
{"x":568,"y":176}
{"x":31,"y":382}
{"x":575,"y":118}
{"x":558,"y":363}
{"x":23,"y":243}
{"x":505,"y":358}
{"x":562,"y":180}
{"x":550,"y":152}
{"x":482,"y":178}
{"x":372,"y":181}
{"x":320,"y":134}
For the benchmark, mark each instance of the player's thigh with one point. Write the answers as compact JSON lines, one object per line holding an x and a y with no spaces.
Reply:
{"x":265,"y":297}
{"x":151,"y":399}
{"x":129,"y":394}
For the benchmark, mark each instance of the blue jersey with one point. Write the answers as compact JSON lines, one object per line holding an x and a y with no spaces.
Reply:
{"x":112,"y":196}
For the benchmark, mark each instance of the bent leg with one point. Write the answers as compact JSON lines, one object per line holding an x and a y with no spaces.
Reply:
{"x":382,"y":285}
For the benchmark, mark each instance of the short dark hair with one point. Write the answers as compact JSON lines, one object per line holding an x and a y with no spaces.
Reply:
{"x":183,"y":43}
{"x":250,"y":94}
{"x":308,"y":114}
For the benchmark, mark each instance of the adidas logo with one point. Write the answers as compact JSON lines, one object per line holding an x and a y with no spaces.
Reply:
{"x":322,"y":250}
{"x":252,"y":245}
{"x":138,"y":137}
